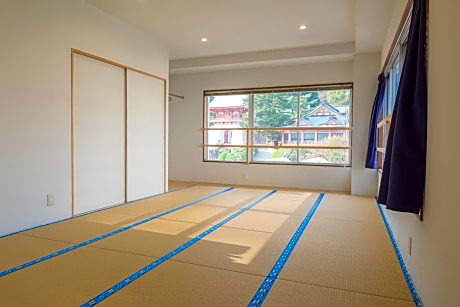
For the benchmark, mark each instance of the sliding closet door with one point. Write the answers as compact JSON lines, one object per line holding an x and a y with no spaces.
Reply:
{"x":99,"y":134}
{"x":145,"y":148}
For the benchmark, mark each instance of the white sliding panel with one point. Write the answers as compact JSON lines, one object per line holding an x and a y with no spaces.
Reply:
{"x":99,"y":132}
{"x":145,"y":135}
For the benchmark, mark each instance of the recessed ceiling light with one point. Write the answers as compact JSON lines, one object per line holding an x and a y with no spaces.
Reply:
{"x":302,"y":27}
{"x":204,"y":39}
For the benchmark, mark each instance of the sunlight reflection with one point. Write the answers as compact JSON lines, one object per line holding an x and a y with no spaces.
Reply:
{"x":252,"y":242}
{"x":278,"y":205}
{"x":195,"y":214}
{"x":301,"y":196}
{"x":166,"y":226}
{"x":260,"y":221}
{"x":108,"y":218}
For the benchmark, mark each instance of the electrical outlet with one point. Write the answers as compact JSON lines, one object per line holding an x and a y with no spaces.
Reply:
{"x":245,"y":176}
{"x":50,"y":200}
{"x":410,"y":246}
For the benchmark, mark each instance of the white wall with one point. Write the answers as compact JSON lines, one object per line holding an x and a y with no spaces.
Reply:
{"x":35,"y":97}
{"x":186,"y":118}
{"x":434,"y":263}
{"x":366,"y":69}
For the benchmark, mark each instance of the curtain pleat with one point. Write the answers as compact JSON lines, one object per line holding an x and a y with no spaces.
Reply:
{"x":403,"y":178}
{"x":371,"y":157}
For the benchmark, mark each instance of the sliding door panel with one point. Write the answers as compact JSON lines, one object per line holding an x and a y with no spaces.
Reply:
{"x":99,"y":132}
{"x":145,"y":148}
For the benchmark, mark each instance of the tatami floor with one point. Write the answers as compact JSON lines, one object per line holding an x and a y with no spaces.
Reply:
{"x":343,"y":258}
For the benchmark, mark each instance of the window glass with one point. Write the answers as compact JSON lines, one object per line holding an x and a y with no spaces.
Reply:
{"x":275,"y":155}
{"x":226,"y":137}
{"x":226,"y":154}
{"x":309,"y":138}
{"x":324,"y":156}
{"x":275,"y":110}
{"x":322,"y":136}
{"x":321,"y":116}
{"x":221,"y":108}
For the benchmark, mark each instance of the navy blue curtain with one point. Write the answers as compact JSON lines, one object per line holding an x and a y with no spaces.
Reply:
{"x":403,"y":178}
{"x":371,"y":158}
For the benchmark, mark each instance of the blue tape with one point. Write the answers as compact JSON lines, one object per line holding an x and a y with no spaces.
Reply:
{"x":73,"y":247}
{"x":402,"y":264}
{"x":104,"y":295}
{"x":94,"y":211}
{"x":264,"y":289}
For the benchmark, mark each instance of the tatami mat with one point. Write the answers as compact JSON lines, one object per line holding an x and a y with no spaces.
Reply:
{"x":76,"y":230}
{"x":344,"y":257}
{"x":89,"y":226}
{"x":154,"y":238}
{"x":16,"y":250}
{"x":68,"y":280}
{"x":342,"y":254}
{"x":288,"y":293}
{"x":352,"y":208}
{"x":160,"y":236}
{"x":239,"y":250}
{"x":181,"y":284}
{"x":286,"y":205}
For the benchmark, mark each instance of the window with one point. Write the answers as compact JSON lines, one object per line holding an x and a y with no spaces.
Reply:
{"x":286,"y":138}
{"x":337,"y":135}
{"x":392,"y":75}
{"x":322,"y":136}
{"x":309,"y":138}
{"x":296,"y":125}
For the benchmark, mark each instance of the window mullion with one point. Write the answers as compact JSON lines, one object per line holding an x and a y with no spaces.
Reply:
{"x":298,"y":125}
{"x":250,"y":125}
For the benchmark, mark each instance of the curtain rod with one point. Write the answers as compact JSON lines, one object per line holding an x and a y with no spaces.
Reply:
{"x":175,"y":95}
{"x":402,"y":23}
{"x":279,"y":89}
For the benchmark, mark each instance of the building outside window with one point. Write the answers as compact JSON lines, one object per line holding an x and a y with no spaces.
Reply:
{"x":289,"y":126}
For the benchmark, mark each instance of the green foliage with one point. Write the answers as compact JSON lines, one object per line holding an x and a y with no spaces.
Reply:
{"x":223,"y":156}
{"x":308,"y":102}
{"x":331,"y":155}
{"x":280,"y":109}
{"x":276,"y":154}
{"x":234,"y":154}
{"x":338,"y":98}
{"x":290,"y":154}
{"x":275,"y":110}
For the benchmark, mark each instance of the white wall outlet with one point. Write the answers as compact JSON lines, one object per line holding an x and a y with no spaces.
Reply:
{"x":245,"y":176}
{"x":50,"y":200}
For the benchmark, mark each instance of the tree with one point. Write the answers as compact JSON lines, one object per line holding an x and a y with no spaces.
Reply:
{"x":308,"y":102}
{"x":338,"y":98}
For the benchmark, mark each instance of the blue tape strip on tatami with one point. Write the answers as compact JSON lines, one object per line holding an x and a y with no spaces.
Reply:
{"x":402,"y":264}
{"x":74,"y":247}
{"x":104,"y":295}
{"x":264,"y":289}
{"x":94,"y":211}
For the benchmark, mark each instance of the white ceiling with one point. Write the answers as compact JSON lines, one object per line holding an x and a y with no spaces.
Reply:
{"x":245,"y":28}
{"x":236,"y":26}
